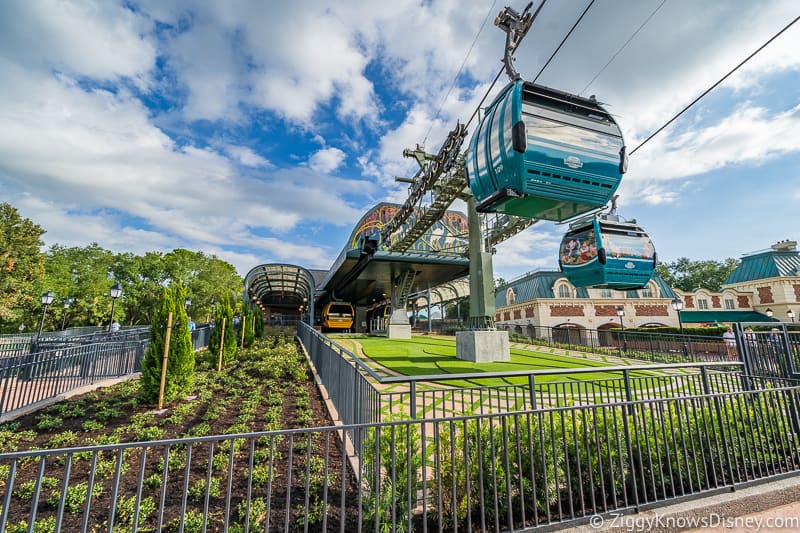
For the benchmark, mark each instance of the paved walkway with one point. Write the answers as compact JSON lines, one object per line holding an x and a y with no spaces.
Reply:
{"x":766,"y":507}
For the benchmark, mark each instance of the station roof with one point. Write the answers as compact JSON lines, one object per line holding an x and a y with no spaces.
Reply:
{"x":280,"y":285}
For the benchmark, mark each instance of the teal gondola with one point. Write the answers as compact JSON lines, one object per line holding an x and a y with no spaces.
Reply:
{"x":606,"y":251}
{"x":546,"y":154}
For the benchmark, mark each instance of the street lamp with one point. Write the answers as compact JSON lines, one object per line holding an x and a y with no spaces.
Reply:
{"x":620,"y":314}
{"x":67,"y":303}
{"x":790,"y":314}
{"x":47,"y":299}
{"x":677,"y":305}
{"x":769,"y":312}
{"x":187,"y":302}
{"x":115,"y":292}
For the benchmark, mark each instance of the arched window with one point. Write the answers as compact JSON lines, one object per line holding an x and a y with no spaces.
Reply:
{"x":511,"y":298}
{"x":647,"y":292}
{"x":564,"y":291}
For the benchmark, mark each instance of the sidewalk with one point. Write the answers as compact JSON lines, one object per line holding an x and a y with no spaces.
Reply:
{"x":766,"y":507}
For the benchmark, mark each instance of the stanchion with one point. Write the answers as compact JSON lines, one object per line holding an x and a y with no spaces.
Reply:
{"x":164,"y":363}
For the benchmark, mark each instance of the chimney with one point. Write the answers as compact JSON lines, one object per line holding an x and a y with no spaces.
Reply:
{"x":785,"y":246}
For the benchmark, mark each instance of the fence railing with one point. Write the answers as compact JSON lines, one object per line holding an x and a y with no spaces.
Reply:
{"x":16,"y":345}
{"x":48,"y":367}
{"x":37,"y":376}
{"x":492,"y":472}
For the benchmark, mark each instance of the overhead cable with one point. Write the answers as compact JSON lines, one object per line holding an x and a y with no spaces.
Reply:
{"x":613,"y":57}
{"x":455,"y":79}
{"x":563,"y":40}
{"x":748,"y":58}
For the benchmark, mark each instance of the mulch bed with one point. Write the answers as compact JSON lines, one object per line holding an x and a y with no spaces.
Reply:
{"x":241,"y":399}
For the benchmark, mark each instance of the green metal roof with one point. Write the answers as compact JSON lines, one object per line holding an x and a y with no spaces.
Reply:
{"x":700,"y":317}
{"x":540,"y":285}
{"x":769,"y":264}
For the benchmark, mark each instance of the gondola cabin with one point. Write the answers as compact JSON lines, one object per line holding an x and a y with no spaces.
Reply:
{"x":607,"y":252}
{"x":542,"y":153}
{"x":337,"y":316}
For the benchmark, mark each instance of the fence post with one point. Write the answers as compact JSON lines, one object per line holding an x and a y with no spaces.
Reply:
{"x":221,"y":344}
{"x":532,"y":388}
{"x":164,"y":363}
{"x":413,"y":399}
{"x":629,"y":411}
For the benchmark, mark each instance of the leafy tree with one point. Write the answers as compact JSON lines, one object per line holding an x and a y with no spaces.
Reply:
{"x":21,"y":265}
{"x":83,"y":273}
{"x":180,"y":364}
{"x":144,"y":278}
{"x":688,"y":275}
{"x":223,"y":311}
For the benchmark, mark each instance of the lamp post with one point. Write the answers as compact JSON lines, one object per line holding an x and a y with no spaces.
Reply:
{"x":47,"y":299}
{"x":67,"y":303}
{"x":620,"y":314}
{"x":115,"y":292}
{"x":790,"y":314}
{"x":677,"y":305}
{"x":187,"y":302}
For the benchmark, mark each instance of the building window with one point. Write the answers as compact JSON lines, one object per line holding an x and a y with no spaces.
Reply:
{"x":647,"y":292}
{"x":511,"y":297}
{"x":729,"y":304}
{"x":702,"y":303}
{"x":564,"y":292}
{"x":605,"y":293}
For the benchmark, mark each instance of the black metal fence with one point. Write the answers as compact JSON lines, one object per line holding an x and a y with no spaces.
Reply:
{"x":41,"y":375}
{"x":45,"y":368}
{"x":492,"y":472}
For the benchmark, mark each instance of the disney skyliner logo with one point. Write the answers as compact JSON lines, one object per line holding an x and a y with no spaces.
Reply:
{"x":712,"y":520}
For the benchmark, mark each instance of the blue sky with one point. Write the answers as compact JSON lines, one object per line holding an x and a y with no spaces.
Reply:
{"x":260,"y":131}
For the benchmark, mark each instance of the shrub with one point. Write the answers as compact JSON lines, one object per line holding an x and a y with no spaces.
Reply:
{"x":223,"y":311}
{"x":180,"y":365}
{"x":393,"y":496}
{"x":75,"y":498}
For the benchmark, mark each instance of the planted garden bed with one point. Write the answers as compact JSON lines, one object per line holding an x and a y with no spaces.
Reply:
{"x":268,"y":388}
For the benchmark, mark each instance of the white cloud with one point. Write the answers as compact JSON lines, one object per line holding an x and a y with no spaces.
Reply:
{"x":749,"y":135}
{"x":96,"y":39}
{"x":327,"y":160}
{"x":247,"y":157}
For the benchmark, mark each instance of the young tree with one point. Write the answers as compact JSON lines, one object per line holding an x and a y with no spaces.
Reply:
{"x":180,"y":365}
{"x":223,"y":310}
{"x":21,"y":264}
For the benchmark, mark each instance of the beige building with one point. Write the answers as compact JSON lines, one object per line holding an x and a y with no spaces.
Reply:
{"x":765,"y":284}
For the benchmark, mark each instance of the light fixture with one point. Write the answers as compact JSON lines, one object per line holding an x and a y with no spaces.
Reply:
{"x":790,"y":314}
{"x":115,"y":292}
{"x":677,"y":304}
{"x":47,"y":299}
{"x":620,"y":311}
{"x":67,"y":303}
{"x":187,"y":302}
{"x":769,"y":312}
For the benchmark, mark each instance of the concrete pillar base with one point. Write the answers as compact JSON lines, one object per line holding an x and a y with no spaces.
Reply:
{"x":398,"y":331}
{"x":483,"y":346}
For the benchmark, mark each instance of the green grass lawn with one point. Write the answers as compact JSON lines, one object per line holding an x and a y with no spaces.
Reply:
{"x":425,"y":355}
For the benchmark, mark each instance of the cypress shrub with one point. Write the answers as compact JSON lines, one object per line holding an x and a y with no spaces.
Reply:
{"x":249,"y":335}
{"x":225,"y":311}
{"x":180,"y":365}
{"x":259,"y":323}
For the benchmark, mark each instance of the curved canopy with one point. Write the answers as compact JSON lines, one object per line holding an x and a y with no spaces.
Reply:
{"x":445,"y":293}
{"x":281,"y":286}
